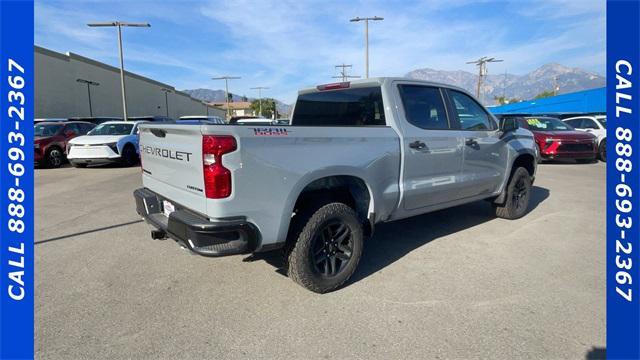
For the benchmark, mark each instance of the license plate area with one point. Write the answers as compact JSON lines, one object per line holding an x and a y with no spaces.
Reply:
{"x":167,"y":208}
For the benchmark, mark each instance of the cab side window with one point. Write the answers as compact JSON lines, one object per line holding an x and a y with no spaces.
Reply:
{"x":72,"y":127}
{"x":576,"y":123}
{"x":424,"y":107}
{"x":471,"y":115}
{"x":589,"y":124}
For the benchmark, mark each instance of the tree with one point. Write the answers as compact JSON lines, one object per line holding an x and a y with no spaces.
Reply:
{"x":268,"y":107}
{"x":230,"y":97}
{"x":502,"y":100}
{"x":545,"y":94}
{"x":244,"y":98}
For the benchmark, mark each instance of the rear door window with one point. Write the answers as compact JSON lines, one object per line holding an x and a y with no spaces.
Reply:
{"x":346,"y":107}
{"x":424,"y":107}
{"x":576,"y":123}
{"x":470,"y":113}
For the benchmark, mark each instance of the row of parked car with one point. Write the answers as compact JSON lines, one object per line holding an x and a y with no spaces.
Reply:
{"x":103,"y":140}
{"x":582,"y":138}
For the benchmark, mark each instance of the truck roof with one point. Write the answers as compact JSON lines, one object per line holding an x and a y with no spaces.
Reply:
{"x":379,"y":81}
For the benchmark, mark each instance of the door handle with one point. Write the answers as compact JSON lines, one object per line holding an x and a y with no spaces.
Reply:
{"x":418,"y":145}
{"x":471,"y":142}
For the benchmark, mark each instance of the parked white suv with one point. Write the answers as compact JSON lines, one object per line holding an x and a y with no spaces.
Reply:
{"x":596,"y":125}
{"x":109,"y":142}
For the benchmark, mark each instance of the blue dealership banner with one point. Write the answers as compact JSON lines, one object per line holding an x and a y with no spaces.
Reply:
{"x":623,"y":182}
{"x":16,"y":180}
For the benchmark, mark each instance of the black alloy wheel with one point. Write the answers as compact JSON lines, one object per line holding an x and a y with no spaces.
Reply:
{"x":332,"y":248}
{"x":520,"y":195}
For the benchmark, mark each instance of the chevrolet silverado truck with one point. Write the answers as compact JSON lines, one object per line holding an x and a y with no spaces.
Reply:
{"x":356,"y":154}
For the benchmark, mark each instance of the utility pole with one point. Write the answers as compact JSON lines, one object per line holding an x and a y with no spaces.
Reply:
{"x":166,"y":99}
{"x":119,"y":25}
{"x":260,"y":88}
{"x":482,"y":71}
{"x":89,"y":85}
{"x":343,"y":73}
{"x":226,"y":79}
{"x":366,"y":40}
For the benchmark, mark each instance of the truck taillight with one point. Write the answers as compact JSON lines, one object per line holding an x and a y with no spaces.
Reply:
{"x":217,"y":178}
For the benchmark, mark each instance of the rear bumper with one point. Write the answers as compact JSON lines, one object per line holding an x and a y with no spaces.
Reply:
{"x":196,"y":233}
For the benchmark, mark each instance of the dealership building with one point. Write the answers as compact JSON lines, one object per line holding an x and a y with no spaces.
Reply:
{"x":69,"y":85}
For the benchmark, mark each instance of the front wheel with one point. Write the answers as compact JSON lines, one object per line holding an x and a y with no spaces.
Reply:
{"x":327,"y":249}
{"x":129,"y":156}
{"x":602,"y":150}
{"x":518,"y":195}
{"x":54,"y":157}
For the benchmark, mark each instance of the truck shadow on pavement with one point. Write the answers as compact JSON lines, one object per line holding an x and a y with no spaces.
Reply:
{"x":391,"y":241}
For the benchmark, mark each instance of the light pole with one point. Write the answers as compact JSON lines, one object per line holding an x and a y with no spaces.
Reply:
{"x":166,"y":99}
{"x":482,"y":72}
{"x":226,"y":79}
{"x":89,"y":85}
{"x":343,"y":74}
{"x":260,"y":88}
{"x":119,"y":25}
{"x":366,"y":40}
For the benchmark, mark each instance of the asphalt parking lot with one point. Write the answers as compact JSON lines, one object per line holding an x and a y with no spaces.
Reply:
{"x":457,"y":283}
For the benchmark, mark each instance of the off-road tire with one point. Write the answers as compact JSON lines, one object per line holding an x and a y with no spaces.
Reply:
{"x":306,"y":232}
{"x":514,"y":209}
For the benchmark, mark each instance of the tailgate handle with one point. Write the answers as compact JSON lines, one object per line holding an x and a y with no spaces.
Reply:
{"x":159,"y":132}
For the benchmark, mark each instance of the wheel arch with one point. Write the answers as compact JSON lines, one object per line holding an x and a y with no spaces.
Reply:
{"x":523,"y":159}
{"x":341,"y":185}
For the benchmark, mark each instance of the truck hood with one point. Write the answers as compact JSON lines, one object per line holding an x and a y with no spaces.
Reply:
{"x":96,"y":139}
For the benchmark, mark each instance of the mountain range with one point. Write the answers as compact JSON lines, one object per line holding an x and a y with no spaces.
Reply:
{"x":523,"y":87}
{"x":218,"y":96}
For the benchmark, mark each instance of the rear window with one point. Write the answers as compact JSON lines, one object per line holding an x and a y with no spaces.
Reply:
{"x":348,"y":107}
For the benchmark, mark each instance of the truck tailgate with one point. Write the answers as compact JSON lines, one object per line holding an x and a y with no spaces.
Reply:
{"x":171,"y":157}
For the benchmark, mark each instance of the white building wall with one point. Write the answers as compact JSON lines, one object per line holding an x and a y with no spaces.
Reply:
{"x":59,"y":95}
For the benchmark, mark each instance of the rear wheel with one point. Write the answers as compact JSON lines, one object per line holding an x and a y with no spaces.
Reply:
{"x":129,"y":156}
{"x":602,"y":150}
{"x":518,"y":195}
{"x":54,"y":157}
{"x":327,"y":248}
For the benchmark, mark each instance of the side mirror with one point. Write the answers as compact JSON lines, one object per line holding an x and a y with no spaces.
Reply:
{"x":509,"y":125}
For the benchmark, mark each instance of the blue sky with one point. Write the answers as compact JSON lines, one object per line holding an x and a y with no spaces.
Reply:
{"x":286,"y":45}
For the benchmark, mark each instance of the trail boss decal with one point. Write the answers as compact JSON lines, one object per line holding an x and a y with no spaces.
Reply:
{"x":269,"y":131}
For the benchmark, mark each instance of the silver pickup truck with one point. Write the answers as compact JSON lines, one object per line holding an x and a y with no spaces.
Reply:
{"x":356,"y":154}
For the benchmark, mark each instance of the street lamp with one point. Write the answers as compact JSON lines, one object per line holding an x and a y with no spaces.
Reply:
{"x":226,"y":79}
{"x":119,"y":25}
{"x":89,"y":85}
{"x":166,"y":99}
{"x":366,"y":40}
{"x":259,"y":88}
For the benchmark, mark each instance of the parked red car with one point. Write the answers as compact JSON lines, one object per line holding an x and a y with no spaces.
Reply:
{"x":50,"y":140}
{"x":557,"y":139}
